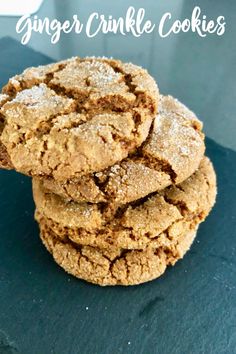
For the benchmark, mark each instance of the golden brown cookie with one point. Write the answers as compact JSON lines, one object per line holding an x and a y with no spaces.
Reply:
{"x":5,"y":163}
{"x":114,"y":266}
{"x":4,"y":158}
{"x":76,"y":117}
{"x":133,"y":225}
{"x":171,"y":153}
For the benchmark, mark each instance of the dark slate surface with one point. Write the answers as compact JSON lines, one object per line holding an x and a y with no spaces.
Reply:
{"x":189,"y":310}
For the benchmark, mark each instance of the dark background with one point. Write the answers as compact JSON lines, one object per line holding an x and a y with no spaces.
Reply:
{"x":192,"y":308}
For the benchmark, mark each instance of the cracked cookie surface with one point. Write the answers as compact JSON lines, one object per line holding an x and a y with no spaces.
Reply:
{"x":76,"y":117}
{"x":4,"y":157}
{"x":115,"y":266}
{"x":133,"y":225}
{"x":170,"y":154}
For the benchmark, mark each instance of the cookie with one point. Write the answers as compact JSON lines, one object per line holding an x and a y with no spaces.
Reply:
{"x":76,"y":117}
{"x":5,"y":163}
{"x":115,"y":266}
{"x":133,"y":225}
{"x":171,"y":153}
{"x":4,"y":158}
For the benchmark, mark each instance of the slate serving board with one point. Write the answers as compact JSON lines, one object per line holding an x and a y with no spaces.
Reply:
{"x":191,"y":309}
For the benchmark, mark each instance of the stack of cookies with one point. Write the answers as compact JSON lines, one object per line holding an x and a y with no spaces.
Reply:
{"x":120,"y":180}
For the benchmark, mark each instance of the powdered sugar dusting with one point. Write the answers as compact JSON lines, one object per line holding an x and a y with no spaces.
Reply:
{"x":98,"y":73}
{"x":39,"y":96}
{"x":32,"y":97}
{"x":14,"y":81}
{"x":3,"y":98}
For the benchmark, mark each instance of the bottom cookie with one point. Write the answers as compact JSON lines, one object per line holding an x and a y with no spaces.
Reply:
{"x":115,"y":266}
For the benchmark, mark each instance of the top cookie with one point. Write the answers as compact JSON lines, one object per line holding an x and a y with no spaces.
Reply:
{"x":77,"y":116}
{"x":171,"y":153}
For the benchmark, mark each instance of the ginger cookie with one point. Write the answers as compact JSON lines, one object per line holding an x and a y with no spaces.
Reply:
{"x":133,"y":225}
{"x":114,"y":266}
{"x":4,"y":158}
{"x":76,"y":117}
{"x":170,"y":154}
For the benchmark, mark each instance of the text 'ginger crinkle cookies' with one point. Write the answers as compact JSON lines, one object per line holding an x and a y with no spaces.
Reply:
{"x":75,"y":117}
{"x":171,"y":153}
{"x":146,"y":222}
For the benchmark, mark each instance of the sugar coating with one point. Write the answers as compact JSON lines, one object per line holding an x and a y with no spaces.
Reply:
{"x":3,"y":98}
